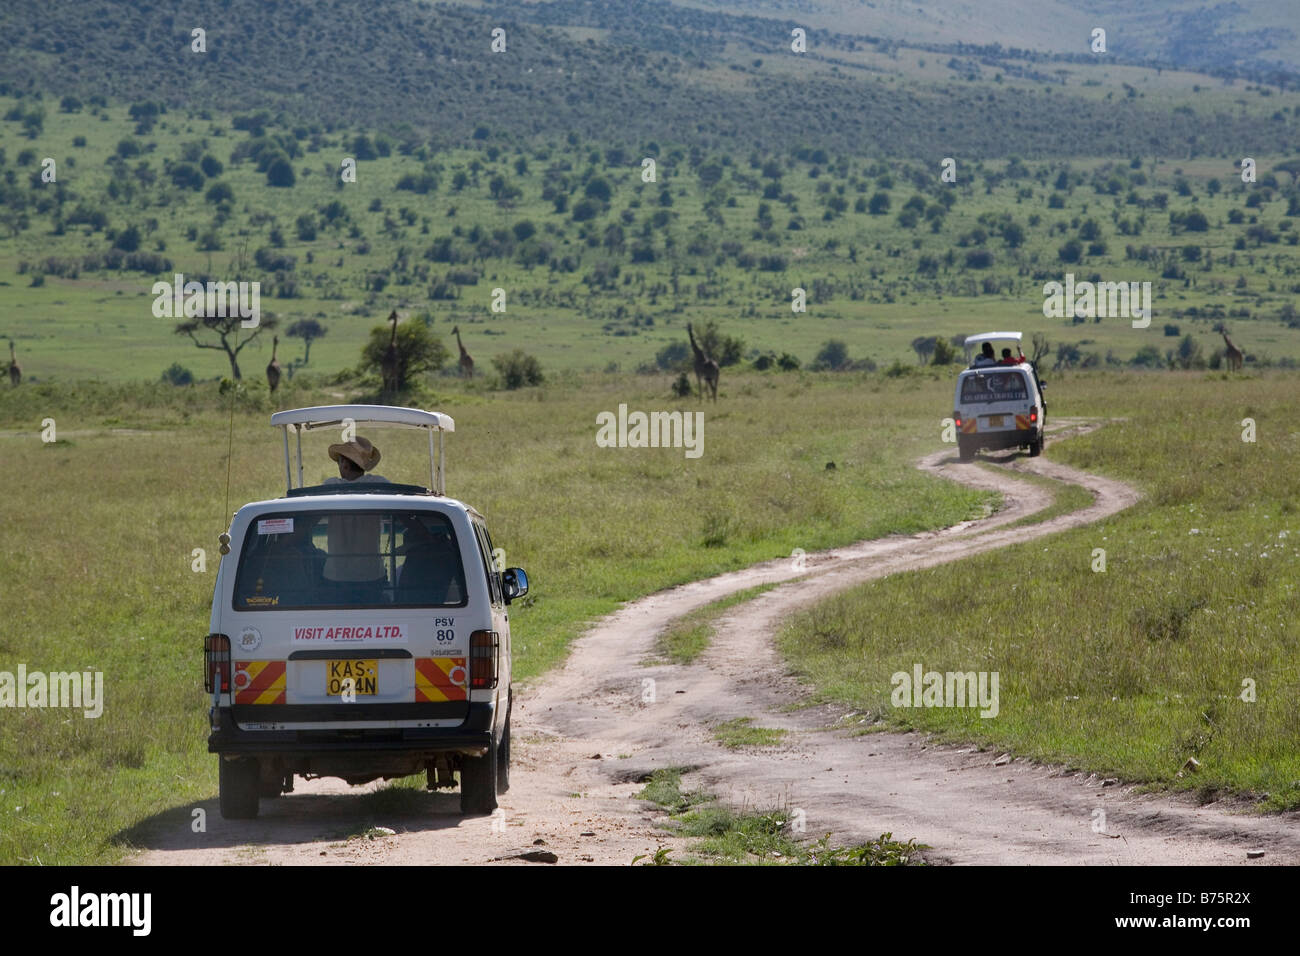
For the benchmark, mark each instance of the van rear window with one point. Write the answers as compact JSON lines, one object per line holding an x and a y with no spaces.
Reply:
{"x":349,"y":559}
{"x":989,"y":387}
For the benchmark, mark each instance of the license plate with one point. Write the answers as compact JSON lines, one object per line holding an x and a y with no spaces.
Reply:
{"x":363,"y":675}
{"x":995,"y":421}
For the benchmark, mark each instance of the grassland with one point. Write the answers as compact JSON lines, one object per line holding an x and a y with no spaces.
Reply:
{"x":1184,"y":646}
{"x":99,"y":529}
{"x":718,"y":236}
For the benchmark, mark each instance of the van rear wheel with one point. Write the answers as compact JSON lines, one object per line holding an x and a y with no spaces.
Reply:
{"x":478,"y":782}
{"x":1036,"y":447}
{"x":239,"y":783}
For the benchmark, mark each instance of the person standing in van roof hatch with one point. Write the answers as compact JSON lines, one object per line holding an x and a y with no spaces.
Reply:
{"x":353,"y":539}
{"x":985,"y":357}
{"x":1008,"y":358}
{"x":355,"y":458}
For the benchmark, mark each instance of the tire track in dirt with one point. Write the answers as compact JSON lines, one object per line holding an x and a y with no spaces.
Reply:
{"x":585,"y":734}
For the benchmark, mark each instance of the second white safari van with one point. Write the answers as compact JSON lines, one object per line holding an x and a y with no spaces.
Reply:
{"x":361,"y":630}
{"x":999,"y":403}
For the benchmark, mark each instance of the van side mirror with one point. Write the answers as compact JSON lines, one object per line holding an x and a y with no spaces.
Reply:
{"x":1042,"y":384}
{"x":514,"y":583}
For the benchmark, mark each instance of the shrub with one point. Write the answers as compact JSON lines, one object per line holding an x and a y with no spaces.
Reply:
{"x":832,"y":356}
{"x":187,"y":176}
{"x":674,"y":355}
{"x":177,"y":374}
{"x":518,"y":369}
{"x":280,"y":173}
{"x":219,"y":193}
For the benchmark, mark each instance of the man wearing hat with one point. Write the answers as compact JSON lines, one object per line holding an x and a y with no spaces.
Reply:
{"x":355,"y":458}
{"x":354,"y":538}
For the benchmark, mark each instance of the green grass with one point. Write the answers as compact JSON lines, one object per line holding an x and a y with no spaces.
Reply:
{"x":99,"y":534}
{"x":866,"y":275}
{"x":688,"y":636}
{"x":1131,"y":671}
{"x":1066,"y":497}
{"x":741,"y":733}
{"x":724,"y":836}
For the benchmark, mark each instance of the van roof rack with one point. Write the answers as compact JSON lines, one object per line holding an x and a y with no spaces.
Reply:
{"x":301,"y":420}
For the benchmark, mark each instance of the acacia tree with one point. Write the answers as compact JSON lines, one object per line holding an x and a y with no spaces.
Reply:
{"x":227,"y":330}
{"x":309,"y":330}
{"x":418,"y":351}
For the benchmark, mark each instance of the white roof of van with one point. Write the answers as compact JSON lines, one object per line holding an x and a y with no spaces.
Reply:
{"x":328,"y":416}
{"x":994,"y":337}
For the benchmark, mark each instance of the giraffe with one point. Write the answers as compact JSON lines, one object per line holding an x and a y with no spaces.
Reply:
{"x":706,"y":369}
{"x":389,"y":365}
{"x":15,"y":370}
{"x":273,"y":369}
{"x":466,"y":363}
{"x":1234,"y":355}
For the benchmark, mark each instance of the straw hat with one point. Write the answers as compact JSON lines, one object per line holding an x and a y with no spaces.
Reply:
{"x":360,"y":452}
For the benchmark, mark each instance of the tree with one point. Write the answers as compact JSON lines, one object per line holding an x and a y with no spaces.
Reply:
{"x":418,"y":351}
{"x":723,"y":349}
{"x":1040,"y":348}
{"x":280,"y":172}
{"x":309,"y":330}
{"x":228,"y":331}
{"x":832,"y":356}
{"x":187,"y":176}
{"x":518,"y":369}
{"x":944,"y":352}
{"x":1189,"y":353}
{"x":879,"y":204}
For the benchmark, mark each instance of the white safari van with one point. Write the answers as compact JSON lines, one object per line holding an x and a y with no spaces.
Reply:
{"x":999,"y":403}
{"x":360,"y":629}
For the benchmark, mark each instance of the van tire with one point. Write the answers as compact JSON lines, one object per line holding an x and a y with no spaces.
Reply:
{"x":1036,"y":447}
{"x":503,"y":759}
{"x":478,"y":782}
{"x":965,"y":452}
{"x":239,"y":784}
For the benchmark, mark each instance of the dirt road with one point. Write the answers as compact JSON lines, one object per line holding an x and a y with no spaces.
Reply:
{"x":587,"y":733}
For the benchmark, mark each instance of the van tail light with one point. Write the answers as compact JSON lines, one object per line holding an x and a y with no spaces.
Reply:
{"x":956,"y":417}
{"x":216,"y":662}
{"x":484,"y":649}
{"x":1033,"y":416}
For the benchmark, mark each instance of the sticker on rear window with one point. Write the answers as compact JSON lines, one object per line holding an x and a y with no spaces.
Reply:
{"x":275,"y":526}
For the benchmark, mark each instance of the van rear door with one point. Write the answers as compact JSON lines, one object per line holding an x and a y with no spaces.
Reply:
{"x":996,"y":400}
{"x":349,"y":615}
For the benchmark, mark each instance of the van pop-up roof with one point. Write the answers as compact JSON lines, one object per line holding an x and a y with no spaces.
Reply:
{"x":975,"y":341}
{"x":299,"y":420}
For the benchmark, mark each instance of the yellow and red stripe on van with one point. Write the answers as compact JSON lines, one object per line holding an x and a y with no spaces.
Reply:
{"x":1023,"y":423}
{"x":259,"y":682}
{"x":440,"y":678}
